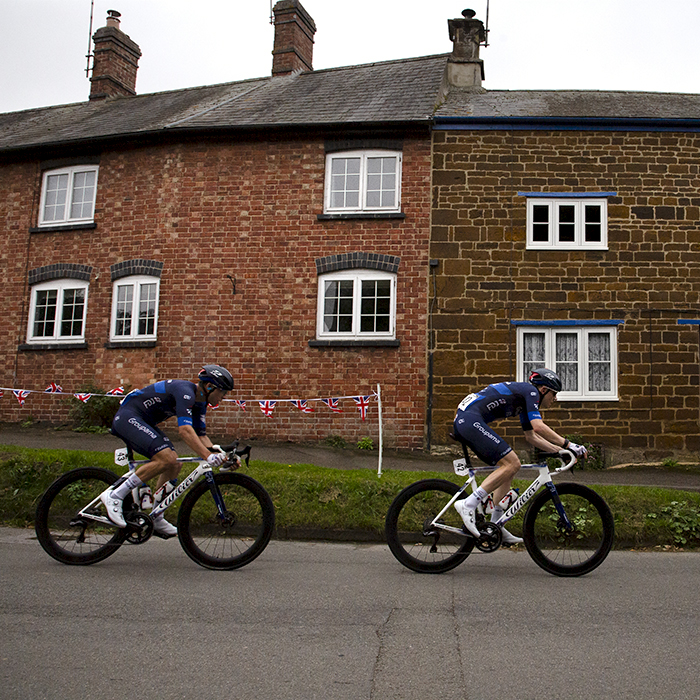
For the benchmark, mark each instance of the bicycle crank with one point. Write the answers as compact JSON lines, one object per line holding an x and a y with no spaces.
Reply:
{"x":490,"y":539}
{"x":139,"y":525}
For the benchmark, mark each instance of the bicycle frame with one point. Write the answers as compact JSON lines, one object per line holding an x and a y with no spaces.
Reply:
{"x":543,"y":479}
{"x":203,"y":469}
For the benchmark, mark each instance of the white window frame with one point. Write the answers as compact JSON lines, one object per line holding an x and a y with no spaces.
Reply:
{"x":137,"y":283}
{"x":362,"y":206}
{"x":357,"y":277}
{"x":554,"y":207}
{"x":60,"y":286}
{"x":71,"y":191}
{"x":583,"y":332}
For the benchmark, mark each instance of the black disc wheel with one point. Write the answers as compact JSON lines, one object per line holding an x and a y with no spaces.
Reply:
{"x":238,"y":537}
{"x":410,"y":536}
{"x":71,"y":538}
{"x":563,"y":551}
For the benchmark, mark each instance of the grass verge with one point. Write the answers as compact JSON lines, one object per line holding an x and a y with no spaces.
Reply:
{"x":321,"y":503}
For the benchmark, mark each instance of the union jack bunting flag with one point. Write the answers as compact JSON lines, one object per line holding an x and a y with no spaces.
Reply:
{"x":20,"y":395}
{"x":214,"y":407}
{"x":267,"y":407}
{"x":53,"y":388}
{"x":302,"y":405}
{"x":240,"y":404}
{"x":362,"y":404}
{"x":117,"y":391}
{"x":83,"y":397}
{"x":333,"y":405}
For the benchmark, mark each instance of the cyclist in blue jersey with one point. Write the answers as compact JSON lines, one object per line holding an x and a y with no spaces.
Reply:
{"x":503,"y":400}
{"x":135,"y":423}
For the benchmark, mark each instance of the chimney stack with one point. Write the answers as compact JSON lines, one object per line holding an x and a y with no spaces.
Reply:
{"x":465,"y":70}
{"x":115,"y":62}
{"x":294,"y":38}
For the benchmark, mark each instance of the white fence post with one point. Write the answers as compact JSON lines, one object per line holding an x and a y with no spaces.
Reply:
{"x":379,"y":404}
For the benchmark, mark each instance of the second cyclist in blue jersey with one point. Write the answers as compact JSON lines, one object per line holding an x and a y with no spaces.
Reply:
{"x":472,"y":425}
{"x":136,"y":423}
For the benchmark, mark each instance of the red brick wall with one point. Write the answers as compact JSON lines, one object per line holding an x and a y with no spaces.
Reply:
{"x":649,"y":277}
{"x":212,"y":211}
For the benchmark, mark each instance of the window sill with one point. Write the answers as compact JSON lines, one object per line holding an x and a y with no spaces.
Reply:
{"x":63,"y":227}
{"x":114,"y":344}
{"x":53,"y":346}
{"x":361,"y":215}
{"x":354,"y":343}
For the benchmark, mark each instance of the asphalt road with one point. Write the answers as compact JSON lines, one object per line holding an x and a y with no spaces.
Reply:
{"x":310,"y":621}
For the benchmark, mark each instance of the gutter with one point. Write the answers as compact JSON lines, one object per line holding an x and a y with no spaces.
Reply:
{"x":466,"y":123}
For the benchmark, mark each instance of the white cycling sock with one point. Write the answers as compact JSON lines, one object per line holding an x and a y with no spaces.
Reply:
{"x":131,"y":483}
{"x":497,"y":513}
{"x":473,"y":500}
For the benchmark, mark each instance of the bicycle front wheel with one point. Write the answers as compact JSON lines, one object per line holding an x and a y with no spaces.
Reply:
{"x":419,"y":547}
{"x":569,"y":553}
{"x":71,"y":538}
{"x":234,"y":539}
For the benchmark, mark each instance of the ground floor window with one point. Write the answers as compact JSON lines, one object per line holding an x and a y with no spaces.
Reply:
{"x":584,"y":357}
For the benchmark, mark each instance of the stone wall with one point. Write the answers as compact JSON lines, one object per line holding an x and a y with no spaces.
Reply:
{"x":649,"y":277}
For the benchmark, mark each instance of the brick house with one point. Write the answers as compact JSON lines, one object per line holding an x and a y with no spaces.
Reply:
{"x":566,"y":233}
{"x":278,"y":226}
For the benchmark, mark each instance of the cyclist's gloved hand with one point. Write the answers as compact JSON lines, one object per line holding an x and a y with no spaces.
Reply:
{"x":216,"y":459}
{"x":579,"y":450}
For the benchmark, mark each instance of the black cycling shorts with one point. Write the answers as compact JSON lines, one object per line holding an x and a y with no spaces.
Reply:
{"x":139,"y":435}
{"x":488,"y":446}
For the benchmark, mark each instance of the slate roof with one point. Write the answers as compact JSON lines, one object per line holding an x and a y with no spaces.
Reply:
{"x":574,"y":104}
{"x":392,"y":92}
{"x":402,"y":91}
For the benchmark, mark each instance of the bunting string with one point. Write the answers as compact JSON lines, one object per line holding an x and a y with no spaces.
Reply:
{"x":267,"y":406}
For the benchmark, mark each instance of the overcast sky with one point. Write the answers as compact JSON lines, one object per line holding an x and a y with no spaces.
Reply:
{"x":533,"y":44}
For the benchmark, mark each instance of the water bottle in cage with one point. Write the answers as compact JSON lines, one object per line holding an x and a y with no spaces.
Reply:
{"x":145,"y":497}
{"x":510,"y":498}
{"x":163,"y":491}
{"x":488,"y":505}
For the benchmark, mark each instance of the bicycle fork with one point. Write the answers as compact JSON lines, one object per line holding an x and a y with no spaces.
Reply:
{"x":563,"y":517}
{"x":225,"y":517}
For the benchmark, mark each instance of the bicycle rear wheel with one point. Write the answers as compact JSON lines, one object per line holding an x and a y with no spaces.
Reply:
{"x":565,"y":553}
{"x":238,"y":538}
{"x":411,"y":540}
{"x":73,"y":539}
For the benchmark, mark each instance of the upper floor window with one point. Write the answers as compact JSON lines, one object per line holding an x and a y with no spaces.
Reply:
{"x":567,"y":222}
{"x":135,"y":308}
{"x":584,"y":357}
{"x":357,"y":304}
{"x":363,"y":181}
{"x":57,"y":311}
{"x":68,"y":195}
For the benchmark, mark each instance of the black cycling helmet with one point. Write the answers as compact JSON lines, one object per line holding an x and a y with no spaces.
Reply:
{"x":218,"y":376}
{"x":545,"y":377}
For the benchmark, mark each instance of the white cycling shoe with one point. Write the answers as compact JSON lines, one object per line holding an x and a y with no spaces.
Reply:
{"x":162,"y":528}
{"x":468,"y":515}
{"x":509,"y":537}
{"x":114,"y":506}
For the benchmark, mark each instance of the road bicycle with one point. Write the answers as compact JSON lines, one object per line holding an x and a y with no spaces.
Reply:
{"x":225,"y":520}
{"x":568,"y":529}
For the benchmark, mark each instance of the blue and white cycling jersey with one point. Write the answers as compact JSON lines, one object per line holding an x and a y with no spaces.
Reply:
{"x":165,"y":399}
{"x":504,"y":400}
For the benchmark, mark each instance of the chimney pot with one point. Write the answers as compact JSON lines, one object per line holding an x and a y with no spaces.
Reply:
{"x":113,"y":18}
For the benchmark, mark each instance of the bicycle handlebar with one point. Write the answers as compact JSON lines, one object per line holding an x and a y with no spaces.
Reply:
{"x":561,"y":455}
{"x":243,"y":452}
